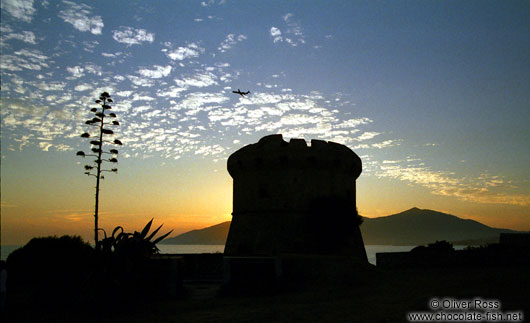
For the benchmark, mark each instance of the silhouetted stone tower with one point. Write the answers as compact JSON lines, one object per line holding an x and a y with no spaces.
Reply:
{"x":291,"y":198}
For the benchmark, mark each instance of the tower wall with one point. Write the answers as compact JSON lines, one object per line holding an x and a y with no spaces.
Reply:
{"x":291,"y":198}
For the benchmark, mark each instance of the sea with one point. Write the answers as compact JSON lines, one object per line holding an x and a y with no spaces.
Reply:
{"x":371,"y":250}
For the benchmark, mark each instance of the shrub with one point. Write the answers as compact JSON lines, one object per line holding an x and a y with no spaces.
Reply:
{"x":50,"y":269}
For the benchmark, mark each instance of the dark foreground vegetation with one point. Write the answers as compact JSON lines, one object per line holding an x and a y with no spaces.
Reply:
{"x":61,"y":287}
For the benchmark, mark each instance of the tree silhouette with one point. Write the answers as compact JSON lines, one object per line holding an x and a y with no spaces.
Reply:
{"x":97,"y":143}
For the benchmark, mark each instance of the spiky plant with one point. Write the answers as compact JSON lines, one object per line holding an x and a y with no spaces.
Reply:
{"x":137,"y":244}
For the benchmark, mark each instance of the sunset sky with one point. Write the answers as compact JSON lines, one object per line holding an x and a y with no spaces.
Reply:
{"x":434,"y":96}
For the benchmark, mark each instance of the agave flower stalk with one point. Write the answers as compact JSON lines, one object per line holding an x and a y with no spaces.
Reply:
{"x":98,"y":121}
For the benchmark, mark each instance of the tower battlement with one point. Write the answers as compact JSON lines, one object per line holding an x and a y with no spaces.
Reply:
{"x":272,"y":153}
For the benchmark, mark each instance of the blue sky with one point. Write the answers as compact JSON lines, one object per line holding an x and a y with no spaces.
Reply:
{"x":433,"y":95}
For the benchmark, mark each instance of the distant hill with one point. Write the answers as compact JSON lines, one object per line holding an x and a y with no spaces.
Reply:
{"x":418,"y":227}
{"x":409,"y":228}
{"x":214,"y":235}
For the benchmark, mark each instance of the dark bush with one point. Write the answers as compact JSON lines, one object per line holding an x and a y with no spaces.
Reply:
{"x":435,"y":247}
{"x":50,"y":270}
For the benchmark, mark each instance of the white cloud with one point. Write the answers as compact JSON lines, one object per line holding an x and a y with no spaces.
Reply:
{"x":94,"y":69}
{"x":351,"y":123}
{"x":157,"y":72}
{"x":138,"y":97}
{"x":32,"y":54}
{"x":13,"y":63}
{"x":367,"y":135}
{"x":79,"y":16}
{"x":207,"y":3}
{"x":45,"y":146}
{"x":198,"y":80}
{"x":287,"y":17}
{"x":139,"y":81}
{"x":478,"y":190}
{"x":293,"y":34}
{"x":262,"y":99}
{"x":25,"y":36}
{"x":132,"y":36}
{"x":76,"y":71}
{"x":230,"y":40}
{"x":4,"y":29}
{"x":276,"y":34}
{"x":41,"y":125}
{"x":20,"y":9}
{"x":209,"y":150}
{"x":83,"y":87}
{"x":173,"y":92}
{"x":182,"y":53}
{"x":51,"y":86}
{"x":211,"y":2}
{"x":124,"y":93}
{"x":195,"y":102}
{"x":24,"y":59}
{"x":386,"y":144}
{"x":89,"y":46}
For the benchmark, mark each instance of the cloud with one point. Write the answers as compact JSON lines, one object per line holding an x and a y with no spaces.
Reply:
{"x":289,"y":114}
{"x":124,"y":93}
{"x":76,"y":71}
{"x":89,"y":46}
{"x":182,"y":53}
{"x":203,"y":79}
{"x":293,"y":34}
{"x":276,"y":34}
{"x":211,"y":3}
{"x":41,"y":125}
{"x":32,"y":54}
{"x":207,"y":3}
{"x":20,"y":9}
{"x":132,"y":36}
{"x":138,"y":97}
{"x":24,"y":59}
{"x":51,"y":86}
{"x":367,"y":135}
{"x":386,"y":144}
{"x":139,"y":81}
{"x":111,"y":55}
{"x":78,"y":15}
{"x":485,"y":189}
{"x":198,"y":101}
{"x":93,"y":69}
{"x":157,"y":72}
{"x":83,"y":87}
{"x":172,"y":91}
{"x":351,"y":123}
{"x":230,"y":41}
{"x":25,"y":36}
{"x":209,"y":150}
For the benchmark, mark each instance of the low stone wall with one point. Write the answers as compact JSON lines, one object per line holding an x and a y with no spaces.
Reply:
{"x":492,"y":256}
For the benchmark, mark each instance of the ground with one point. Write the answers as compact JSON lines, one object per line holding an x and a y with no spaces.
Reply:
{"x":382,"y":296}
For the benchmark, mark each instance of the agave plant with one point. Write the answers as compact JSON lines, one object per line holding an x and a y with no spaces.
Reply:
{"x":97,"y":140}
{"x":126,"y":261}
{"x":136,"y":245}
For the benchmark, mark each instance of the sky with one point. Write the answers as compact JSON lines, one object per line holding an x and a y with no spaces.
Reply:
{"x":434,"y":96}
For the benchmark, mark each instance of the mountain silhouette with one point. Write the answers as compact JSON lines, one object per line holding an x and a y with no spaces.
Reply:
{"x":418,"y":227}
{"x":214,"y":235}
{"x":408,"y":228}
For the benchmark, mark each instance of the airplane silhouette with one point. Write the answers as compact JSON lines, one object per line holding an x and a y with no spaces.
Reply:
{"x":241,"y":93}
